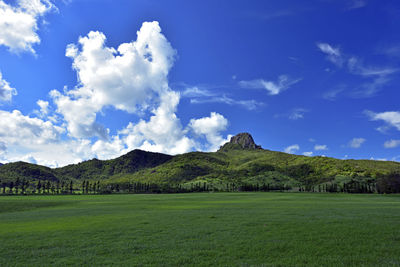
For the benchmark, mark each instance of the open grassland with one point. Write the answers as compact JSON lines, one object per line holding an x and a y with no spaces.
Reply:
{"x":204,"y":229}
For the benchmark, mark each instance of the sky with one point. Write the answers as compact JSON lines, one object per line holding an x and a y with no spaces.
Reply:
{"x":83,"y":79}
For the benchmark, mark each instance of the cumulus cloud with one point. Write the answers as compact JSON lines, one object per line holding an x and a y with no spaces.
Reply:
{"x":18,"y":128}
{"x":22,"y":135}
{"x":128,"y":78}
{"x":356,"y":142}
{"x":391,"y":143}
{"x":19,"y":23}
{"x":43,"y":108}
{"x":320,"y":147}
{"x":391,"y":118}
{"x":211,"y":127}
{"x":132,"y":78}
{"x":3,"y":149}
{"x":292,"y":149}
{"x":6,"y":91}
{"x":308,"y":154}
{"x":163,"y":132}
{"x":273,"y":87}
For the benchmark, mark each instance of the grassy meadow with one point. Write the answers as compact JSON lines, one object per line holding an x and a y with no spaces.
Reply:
{"x":201,"y":229}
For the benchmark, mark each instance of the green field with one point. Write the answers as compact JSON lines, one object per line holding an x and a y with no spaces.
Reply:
{"x":204,"y":229}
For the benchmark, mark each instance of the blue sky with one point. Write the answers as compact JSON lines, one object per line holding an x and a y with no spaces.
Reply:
{"x":83,"y":79}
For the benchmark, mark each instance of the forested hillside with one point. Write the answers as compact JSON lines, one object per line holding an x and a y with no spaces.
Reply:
{"x":239,"y":162}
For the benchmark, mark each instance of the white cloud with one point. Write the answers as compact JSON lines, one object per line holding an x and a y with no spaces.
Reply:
{"x":390,"y":50}
{"x":292,"y":149}
{"x":132,"y":78}
{"x":19,"y":24}
{"x":29,"y":158}
{"x":356,"y":142}
{"x":247,"y":104}
{"x":333,"y":94}
{"x":18,"y":128}
{"x":297,"y":113}
{"x":356,"y":66}
{"x":320,"y":147}
{"x":308,"y":154}
{"x":44,"y":108}
{"x":196,"y":92}
{"x":201,"y":95}
{"x":391,"y":118}
{"x":294,"y":114}
{"x":378,"y":159}
{"x":333,"y":54}
{"x":211,"y":127}
{"x":391,"y":143}
{"x":6,"y":91}
{"x":375,"y":78}
{"x":162,"y":133}
{"x":22,"y":135}
{"x":274,"y":88}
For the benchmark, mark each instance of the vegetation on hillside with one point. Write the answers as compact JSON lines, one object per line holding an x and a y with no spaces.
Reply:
{"x":241,"y":163}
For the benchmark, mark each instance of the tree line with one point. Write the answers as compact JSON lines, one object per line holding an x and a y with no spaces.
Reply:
{"x":389,"y":183}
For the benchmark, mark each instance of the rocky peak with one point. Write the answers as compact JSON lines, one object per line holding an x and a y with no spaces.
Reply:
{"x":241,"y":141}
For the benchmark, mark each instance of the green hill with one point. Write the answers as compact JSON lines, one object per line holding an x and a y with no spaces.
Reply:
{"x":22,"y":170}
{"x":102,"y":169}
{"x":238,"y":161}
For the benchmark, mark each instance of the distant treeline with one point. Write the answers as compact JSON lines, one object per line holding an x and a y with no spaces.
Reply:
{"x":389,"y":183}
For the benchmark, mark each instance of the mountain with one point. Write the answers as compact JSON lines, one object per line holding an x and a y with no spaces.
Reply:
{"x":240,"y":141}
{"x":239,"y":160}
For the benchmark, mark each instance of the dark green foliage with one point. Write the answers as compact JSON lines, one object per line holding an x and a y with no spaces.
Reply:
{"x":389,"y":183}
{"x":245,"y":169}
{"x":98,"y":169}
{"x":20,"y":170}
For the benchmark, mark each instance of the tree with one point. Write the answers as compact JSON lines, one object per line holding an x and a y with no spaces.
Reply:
{"x":48,"y":186}
{"x":38,"y":186}
{"x":4,"y":185}
{"x":23,"y":186}
{"x":389,"y":183}
{"x":11,"y":187}
{"x":83,"y":186}
{"x":17,"y":184}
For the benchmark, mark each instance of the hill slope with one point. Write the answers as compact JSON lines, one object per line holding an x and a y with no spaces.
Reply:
{"x":242,"y":161}
{"x":239,"y":160}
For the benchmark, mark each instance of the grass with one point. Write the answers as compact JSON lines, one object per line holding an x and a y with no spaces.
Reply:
{"x":207,"y":229}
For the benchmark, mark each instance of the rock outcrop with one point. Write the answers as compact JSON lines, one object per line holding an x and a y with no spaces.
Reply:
{"x":240,"y":141}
